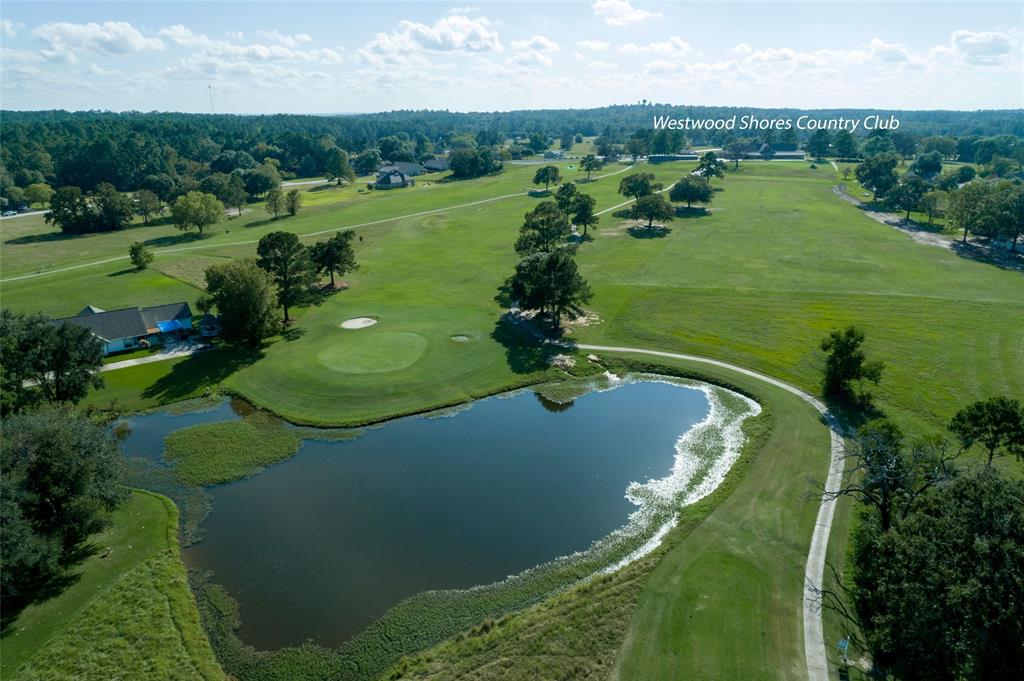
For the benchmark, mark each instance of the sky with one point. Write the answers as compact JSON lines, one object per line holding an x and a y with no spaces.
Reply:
{"x":345,"y":57}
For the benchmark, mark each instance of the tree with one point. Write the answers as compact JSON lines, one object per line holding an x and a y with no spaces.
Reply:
{"x":878,"y":145}
{"x":260,"y":180}
{"x":367,"y":162}
{"x":243,"y":294}
{"x":274,"y":202}
{"x":928,"y":165}
{"x":70,"y":210}
{"x":937,"y":595}
{"x":846,"y":363}
{"x":934,"y":203}
{"x":287,"y":260}
{"x":147,"y":203}
{"x":1007,"y":211}
{"x":61,"y":475}
{"x":112,"y":209}
{"x":547,"y":176}
{"x":544,"y":228}
{"x":582,"y":212}
{"x":737,"y":147}
{"x":638,"y":185}
{"x":235,"y":195}
{"x":73,"y":360}
{"x":197,"y":210}
{"x":590,"y":163}
{"x":653,"y":207}
{"x":39,"y":194}
{"x":907,"y":194}
{"x":335,"y":256}
{"x":878,"y":173}
{"x":636,"y":146}
{"x":845,"y":144}
{"x":140,"y":256}
{"x":565,"y":195}
{"x":997,"y":424}
{"x":293,"y":201}
{"x":710,"y":166}
{"x":819,"y":143}
{"x":548,"y":281}
{"x":967,"y":207}
{"x":46,"y":361}
{"x":336,"y":165}
{"x":161,"y":184}
{"x":691,"y":188}
{"x":467,"y":163}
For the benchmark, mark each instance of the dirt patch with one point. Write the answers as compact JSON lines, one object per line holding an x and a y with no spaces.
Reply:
{"x":358,"y":322}
{"x":563,"y":362}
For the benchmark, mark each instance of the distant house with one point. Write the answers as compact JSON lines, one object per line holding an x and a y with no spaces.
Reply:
{"x":665,"y":158}
{"x":133,"y":327}
{"x":410,"y":169}
{"x":550,"y":153}
{"x":392,"y":179}
{"x":438,"y":164}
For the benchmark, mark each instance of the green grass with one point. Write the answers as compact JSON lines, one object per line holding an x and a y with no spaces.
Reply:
{"x":128,"y":614}
{"x":213,"y":453}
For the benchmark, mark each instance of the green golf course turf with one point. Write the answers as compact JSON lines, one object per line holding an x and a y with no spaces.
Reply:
{"x":776,"y":262}
{"x":127,"y":614}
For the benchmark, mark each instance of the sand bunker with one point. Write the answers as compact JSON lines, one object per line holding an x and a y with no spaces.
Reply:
{"x":358,"y":323}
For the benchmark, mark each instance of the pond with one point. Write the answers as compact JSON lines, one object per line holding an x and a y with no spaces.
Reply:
{"x":318,"y":546}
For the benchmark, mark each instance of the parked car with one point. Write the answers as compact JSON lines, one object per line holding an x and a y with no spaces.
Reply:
{"x":9,"y":213}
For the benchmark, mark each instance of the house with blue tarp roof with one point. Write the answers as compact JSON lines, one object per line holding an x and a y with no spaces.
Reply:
{"x":133,"y":327}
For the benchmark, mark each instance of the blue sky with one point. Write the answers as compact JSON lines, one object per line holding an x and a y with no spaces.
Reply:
{"x":323,"y":57}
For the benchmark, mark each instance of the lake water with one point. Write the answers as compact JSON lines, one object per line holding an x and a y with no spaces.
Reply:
{"x":318,"y":546}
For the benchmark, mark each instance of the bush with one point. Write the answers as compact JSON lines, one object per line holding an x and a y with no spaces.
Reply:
{"x":140,"y":255}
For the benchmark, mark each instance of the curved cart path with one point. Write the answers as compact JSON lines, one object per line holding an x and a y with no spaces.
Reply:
{"x":814,"y":571}
{"x":180,"y":249}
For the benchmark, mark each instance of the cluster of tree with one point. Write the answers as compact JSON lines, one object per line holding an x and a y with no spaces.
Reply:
{"x":938,"y":552}
{"x":467,"y":163}
{"x":103,"y":210}
{"x":85,"y":149}
{"x":278,"y":202}
{"x":45,"y":362}
{"x":546,"y":278}
{"x":651,"y":203}
{"x":993,"y":209}
{"x":59,"y":472}
{"x":246,"y":292}
{"x":1002,"y":154}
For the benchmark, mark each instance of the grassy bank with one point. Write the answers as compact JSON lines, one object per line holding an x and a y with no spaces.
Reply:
{"x":127,"y":614}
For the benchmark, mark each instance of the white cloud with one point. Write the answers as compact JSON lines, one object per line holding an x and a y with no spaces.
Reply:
{"x":237,"y":36}
{"x":463,"y":10}
{"x":673,"y":47}
{"x":204,"y":45}
{"x":621,"y":12}
{"x":531,"y":58}
{"x":981,"y":47}
{"x":8,"y":28}
{"x":888,"y":52}
{"x":456,"y":33}
{"x":742,"y":48}
{"x":596,"y":45}
{"x":64,"y":40}
{"x":537,"y":42}
{"x":602,"y":65}
{"x":286,"y":40}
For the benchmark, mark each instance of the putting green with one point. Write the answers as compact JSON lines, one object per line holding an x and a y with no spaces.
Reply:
{"x":373,"y":353}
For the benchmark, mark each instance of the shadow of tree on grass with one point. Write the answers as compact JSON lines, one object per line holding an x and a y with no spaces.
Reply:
{"x":201,"y":370}
{"x":524,"y":353}
{"x":653,"y":232}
